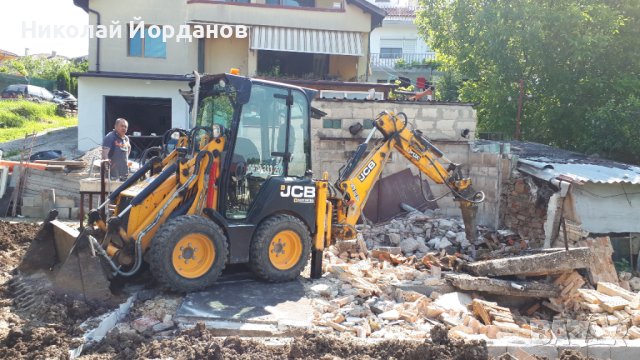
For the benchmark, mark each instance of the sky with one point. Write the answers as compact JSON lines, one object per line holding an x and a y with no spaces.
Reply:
{"x":17,"y":19}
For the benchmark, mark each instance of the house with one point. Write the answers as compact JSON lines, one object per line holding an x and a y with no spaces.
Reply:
{"x":7,"y":55}
{"x":137,"y":75}
{"x":397,"y":50}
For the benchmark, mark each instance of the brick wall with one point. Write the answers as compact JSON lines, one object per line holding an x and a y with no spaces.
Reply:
{"x":524,"y":208}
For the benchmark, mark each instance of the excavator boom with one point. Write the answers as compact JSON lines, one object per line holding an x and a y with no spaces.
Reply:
{"x":362,"y":172}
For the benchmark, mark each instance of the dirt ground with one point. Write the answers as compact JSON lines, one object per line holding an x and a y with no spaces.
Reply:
{"x":53,"y":332}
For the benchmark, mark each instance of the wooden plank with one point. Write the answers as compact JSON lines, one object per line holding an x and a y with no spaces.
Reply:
{"x":54,"y":168}
{"x":503,"y":287}
{"x":615,"y":290}
{"x":590,"y":296}
{"x":69,"y":163}
{"x":5,"y":201}
{"x":548,"y":262}
{"x":480,"y":310}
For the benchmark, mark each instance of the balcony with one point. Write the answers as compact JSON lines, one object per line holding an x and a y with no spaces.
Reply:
{"x":401,"y":61}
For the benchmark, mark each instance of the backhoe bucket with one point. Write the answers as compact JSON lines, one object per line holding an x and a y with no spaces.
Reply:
{"x":68,"y":260}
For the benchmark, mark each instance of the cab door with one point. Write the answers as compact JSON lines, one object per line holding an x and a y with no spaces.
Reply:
{"x":273,"y":140}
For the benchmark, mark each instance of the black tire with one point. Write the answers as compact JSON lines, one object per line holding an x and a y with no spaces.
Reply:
{"x":166,"y":261}
{"x":261,"y":247}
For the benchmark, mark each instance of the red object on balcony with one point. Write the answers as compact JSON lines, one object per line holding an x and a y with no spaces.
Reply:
{"x":421,"y":83}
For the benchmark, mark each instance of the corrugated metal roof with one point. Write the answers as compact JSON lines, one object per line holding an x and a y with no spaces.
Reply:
{"x":306,"y":40}
{"x":547,"y":162}
{"x":581,"y":173}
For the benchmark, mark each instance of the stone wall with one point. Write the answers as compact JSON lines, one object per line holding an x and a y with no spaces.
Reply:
{"x":442,"y":123}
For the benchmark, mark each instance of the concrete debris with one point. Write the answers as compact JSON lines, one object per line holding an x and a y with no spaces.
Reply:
{"x":420,"y":275}
{"x":503,"y":287}
{"x":634,"y":284}
{"x":550,"y":261}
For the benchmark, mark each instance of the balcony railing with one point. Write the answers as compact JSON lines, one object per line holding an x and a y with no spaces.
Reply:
{"x":401,"y":61}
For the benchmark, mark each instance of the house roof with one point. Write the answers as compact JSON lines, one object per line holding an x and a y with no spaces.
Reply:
{"x":546,"y":162}
{"x":141,"y":76}
{"x":377,"y":14}
{"x":83,"y":4}
{"x":4,"y":53}
{"x":396,"y":13}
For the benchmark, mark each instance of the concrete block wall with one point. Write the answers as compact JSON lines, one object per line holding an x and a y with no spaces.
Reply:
{"x":438,"y":121}
{"x":331,"y":148}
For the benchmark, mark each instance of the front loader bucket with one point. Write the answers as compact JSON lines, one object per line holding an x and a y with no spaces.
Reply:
{"x":66,"y":257}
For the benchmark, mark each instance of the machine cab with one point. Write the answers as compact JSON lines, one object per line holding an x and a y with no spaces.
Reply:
{"x":267,"y":151}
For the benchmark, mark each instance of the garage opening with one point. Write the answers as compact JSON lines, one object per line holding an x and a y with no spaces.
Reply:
{"x":148,"y":119}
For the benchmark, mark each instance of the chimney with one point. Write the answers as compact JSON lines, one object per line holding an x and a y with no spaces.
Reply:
{"x":26,"y":51}
{"x":53,"y":53}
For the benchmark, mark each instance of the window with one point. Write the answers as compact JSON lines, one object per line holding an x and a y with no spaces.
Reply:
{"x":367,"y":124}
{"x":147,"y":46}
{"x":298,"y":3}
{"x":332,"y":123}
{"x":272,"y":140}
{"x":390,"y":53}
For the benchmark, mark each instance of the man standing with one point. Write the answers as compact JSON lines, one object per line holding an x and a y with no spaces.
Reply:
{"x":116,"y":148}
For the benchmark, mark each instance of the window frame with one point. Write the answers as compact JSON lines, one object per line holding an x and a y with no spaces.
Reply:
{"x":394,"y":54}
{"x":282,"y":3}
{"x":143,"y":53}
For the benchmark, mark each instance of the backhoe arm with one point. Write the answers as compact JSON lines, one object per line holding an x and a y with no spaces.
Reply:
{"x":362,"y":172}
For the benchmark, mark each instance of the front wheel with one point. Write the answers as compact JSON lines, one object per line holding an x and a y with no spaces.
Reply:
{"x":280,"y":248}
{"x":188,"y":253}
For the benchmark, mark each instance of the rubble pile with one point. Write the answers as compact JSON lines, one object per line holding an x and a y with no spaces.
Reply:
{"x":419,"y":233}
{"x":416,"y":273}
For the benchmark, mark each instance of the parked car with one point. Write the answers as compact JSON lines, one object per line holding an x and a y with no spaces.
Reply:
{"x":66,"y":99}
{"x":27,"y":92}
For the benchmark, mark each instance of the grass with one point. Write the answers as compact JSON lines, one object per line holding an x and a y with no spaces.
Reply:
{"x":20,"y":117}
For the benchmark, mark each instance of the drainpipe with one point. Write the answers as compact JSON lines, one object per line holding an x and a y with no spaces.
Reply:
{"x":97,"y":39}
{"x":366,"y":78}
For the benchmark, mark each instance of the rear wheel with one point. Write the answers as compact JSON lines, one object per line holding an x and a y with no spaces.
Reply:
{"x":188,"y":253}
{"x":280,"y":248}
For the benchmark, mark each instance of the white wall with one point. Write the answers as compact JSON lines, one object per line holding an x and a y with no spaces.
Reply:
{"x":91,"y":94}
{"x":397,"y":31}
{"x":605,"y":208}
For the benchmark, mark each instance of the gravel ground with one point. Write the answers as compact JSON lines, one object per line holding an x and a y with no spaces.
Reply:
{"x":65,"y":140}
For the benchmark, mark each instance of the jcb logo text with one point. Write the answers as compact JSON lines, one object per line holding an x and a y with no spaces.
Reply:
{"x":299,"y":193}
{"x":367,"y":170}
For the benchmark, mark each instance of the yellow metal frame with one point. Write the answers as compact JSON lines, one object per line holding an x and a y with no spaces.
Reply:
{"x":161,"y":203}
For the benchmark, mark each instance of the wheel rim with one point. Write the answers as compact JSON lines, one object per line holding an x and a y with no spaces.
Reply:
{"x":285,"y":249}
{"x":193,"y":256}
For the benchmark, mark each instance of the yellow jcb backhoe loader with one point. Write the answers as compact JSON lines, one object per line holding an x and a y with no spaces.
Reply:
{"x":237,"y":189}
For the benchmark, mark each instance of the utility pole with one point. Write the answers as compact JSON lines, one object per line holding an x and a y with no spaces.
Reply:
{"x":517,"y":133}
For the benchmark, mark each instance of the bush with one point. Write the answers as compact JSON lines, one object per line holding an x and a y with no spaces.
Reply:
{"x":64,"y":80}
{"x":10,"y":119}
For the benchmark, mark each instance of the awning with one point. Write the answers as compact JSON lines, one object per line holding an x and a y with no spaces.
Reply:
{"x":306,"y":40}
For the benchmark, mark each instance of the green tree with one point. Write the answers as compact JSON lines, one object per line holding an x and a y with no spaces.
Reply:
{"x":574,"y":57}
{"x":47,"y":69}
{"x":64,"y":81}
